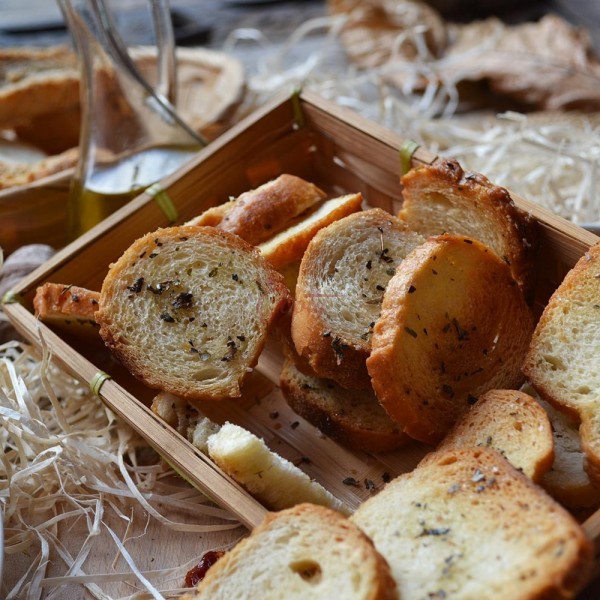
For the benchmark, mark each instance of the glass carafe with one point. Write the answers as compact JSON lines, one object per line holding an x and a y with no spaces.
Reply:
{"x":131,"y":135}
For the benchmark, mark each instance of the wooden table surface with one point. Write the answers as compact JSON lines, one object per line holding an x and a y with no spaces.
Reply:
{"x":36,"y":22}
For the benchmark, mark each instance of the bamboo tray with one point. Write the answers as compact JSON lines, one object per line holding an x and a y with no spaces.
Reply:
{"x":338,"y":150}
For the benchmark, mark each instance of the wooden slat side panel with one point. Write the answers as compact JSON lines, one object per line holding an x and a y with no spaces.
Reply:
{"x":186,"y":459}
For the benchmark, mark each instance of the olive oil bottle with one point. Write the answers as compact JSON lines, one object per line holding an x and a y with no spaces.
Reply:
{"x":110,"y":187}
{"x":131,"y":136}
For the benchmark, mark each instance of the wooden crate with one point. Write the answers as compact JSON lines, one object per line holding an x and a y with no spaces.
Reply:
{"x":341,"y":152}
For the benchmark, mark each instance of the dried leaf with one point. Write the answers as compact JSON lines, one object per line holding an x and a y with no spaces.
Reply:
{"x":548,"y":64}
{"x":379,"y":30}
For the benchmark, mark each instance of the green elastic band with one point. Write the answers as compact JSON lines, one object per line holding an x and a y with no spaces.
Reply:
{"x":164,"y":201}
{"x":297,"y":108}
{"x":98,"y":381}
{"x":407,"y":150}
{"x":10,"y":297}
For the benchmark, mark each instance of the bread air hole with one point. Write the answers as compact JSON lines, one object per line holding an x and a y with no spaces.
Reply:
{"x":309,"y":570}
{"x":555,"y":362}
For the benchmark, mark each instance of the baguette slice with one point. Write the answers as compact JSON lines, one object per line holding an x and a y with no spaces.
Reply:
{"x":563,"y":362}
{"x":352,"y":417}
{"x":270,"y":478}
{"x":340,"y":286}
{"x":257,"y":214}
{"x":289,"y":245}
{"x":70,"y":307}
{"x":442,"y":198}
{"x":466,"y":524}
{"x":567,"y":480}
{"x":453,"y":325}
{"x":187,"y":310}
{"x":511,"y":422}
{"x":304,"y":552}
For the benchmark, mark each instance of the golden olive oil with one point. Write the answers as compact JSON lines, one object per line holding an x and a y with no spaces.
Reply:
{"x":111,"y":186}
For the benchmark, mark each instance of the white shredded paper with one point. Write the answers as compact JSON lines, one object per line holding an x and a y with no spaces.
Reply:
{"x":550,"y":159}
{"x":68,"y":463}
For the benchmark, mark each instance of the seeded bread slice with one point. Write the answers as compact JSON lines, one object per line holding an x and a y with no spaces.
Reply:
{"x":187,"y":310}
{"x":453,"y":325}
{"x":343,"y":275}
{"x":305,"y":552}
{"x":256,"y":215}
{"x":442,"y":198}
{"x":563,"y":362}
{"x":465,"y":524}
{"x":511,"y":422}
{"x":352,"y":417}
{"x":68,"y":306}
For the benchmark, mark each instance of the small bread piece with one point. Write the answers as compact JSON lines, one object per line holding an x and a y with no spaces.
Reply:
{"x":442,"y":198}
{"x":466,"y":524}
{"x":563,"y":362}
{"x":453,"y":325}
{"x":20,"y":174}
{"x":289,"y":245}
{"x":343,"y":275}
{"x":352,"y":417}
{"x":304,"y":552}
{"x":270,"y":478}
{"x":258,"y":214}
{"x":567,"y":480}
{"x":68,"y":306}
{"x":511,"y":422}
{"x":187,"y":310}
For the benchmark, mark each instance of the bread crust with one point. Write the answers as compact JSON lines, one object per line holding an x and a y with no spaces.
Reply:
{"x":344,"y":540}
{"x":335,"y":350}
{"x":474,"y":207}
{"x":453,"y":325}
{"x":563,"y":361}
{"x":130,"y":305}
{"x":351,"y":417}
{"x":258,"y":214}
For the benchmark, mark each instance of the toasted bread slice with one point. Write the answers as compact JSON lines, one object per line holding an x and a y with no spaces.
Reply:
{"x":270,"y":478}
{"x":68,"y":306}
{"x":289,"y":245}
{"x":187,"y":310}
{"x":304,"y":552}
{"x":567,"y":481}
{"x":563,"y":362}
{"x":466,"y":524}
{"x":442,"y":198}
{"x":258,"y":214}
{"x":343,"y":275}
{"x":453,"y":325}
{"x":352,"y":417}
{"x":511,"y":422}
{"x":34,"y":81}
